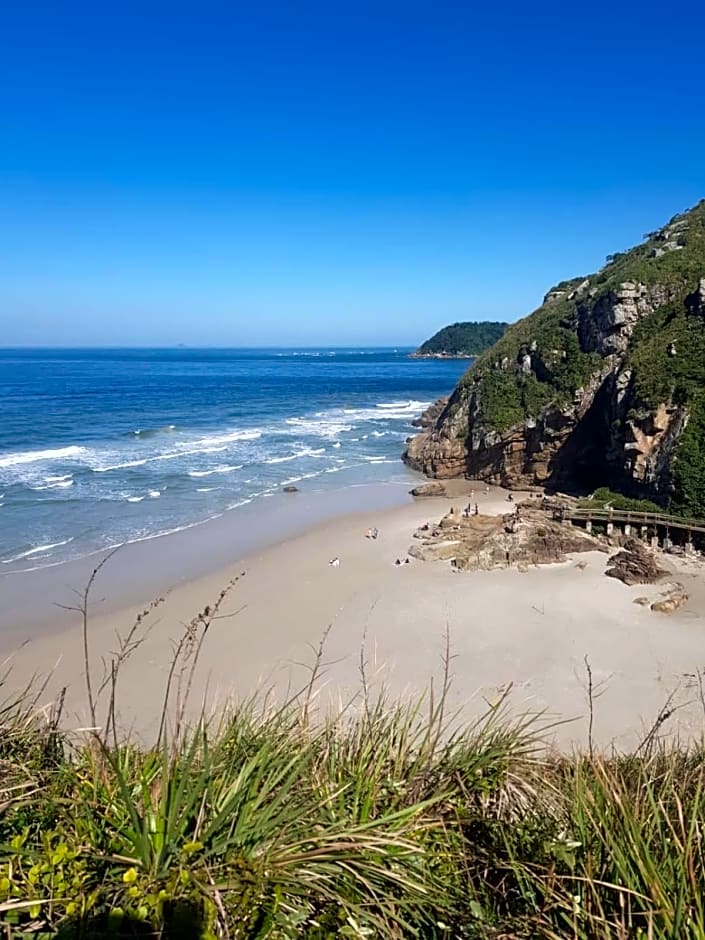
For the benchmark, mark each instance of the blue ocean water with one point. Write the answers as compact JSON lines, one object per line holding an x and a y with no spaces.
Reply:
{"x":102,"y":447}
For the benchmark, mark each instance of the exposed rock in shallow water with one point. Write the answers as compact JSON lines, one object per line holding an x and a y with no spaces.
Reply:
{"x":634,"y":564}
{"x":428,"y":418}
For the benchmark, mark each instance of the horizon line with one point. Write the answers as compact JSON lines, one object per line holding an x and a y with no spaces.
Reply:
{"x":213,"y":346}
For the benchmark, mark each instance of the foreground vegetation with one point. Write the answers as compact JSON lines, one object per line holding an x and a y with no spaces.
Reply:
{"x":372,"y":825}
{"x":379,"y":821}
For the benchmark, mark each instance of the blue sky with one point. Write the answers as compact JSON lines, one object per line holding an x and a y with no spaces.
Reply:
{"x":339,"y":172}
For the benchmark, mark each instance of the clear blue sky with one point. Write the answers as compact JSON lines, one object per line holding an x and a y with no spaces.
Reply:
{"x":342,"y":172}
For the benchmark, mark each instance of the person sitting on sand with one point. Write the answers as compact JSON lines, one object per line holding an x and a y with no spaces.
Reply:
{"x":398,"y":562}
{"x":368,"y":534}
{"x":407,"y":560}
{"x":334,"y":562}
{"x":375,"y":532}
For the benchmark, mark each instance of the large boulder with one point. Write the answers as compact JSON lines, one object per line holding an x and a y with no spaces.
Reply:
{"x":428,"y":489}
{"x":634,"y":564}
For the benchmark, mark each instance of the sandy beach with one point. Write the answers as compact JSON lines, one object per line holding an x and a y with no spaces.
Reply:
{"x":529,"y":633}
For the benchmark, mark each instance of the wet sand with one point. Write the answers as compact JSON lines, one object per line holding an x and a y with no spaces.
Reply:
{"x":529,"y":633}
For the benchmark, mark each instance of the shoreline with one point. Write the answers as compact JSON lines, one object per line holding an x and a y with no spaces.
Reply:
{"x":525,"y":632}
{"x":142,"y":568}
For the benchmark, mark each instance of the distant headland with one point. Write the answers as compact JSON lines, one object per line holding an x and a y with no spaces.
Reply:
{"x":461,"y":341}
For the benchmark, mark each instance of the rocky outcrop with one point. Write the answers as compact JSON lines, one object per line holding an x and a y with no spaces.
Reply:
{"x":634,"y":564}
{"x":514,"y":540}
{"x":429,"y":417}
{"x":520,"y":457}
{"x":606,"y":321}
{"x":428,"y":489}
{"x":671,"y":601}
{"x":594,"y":388}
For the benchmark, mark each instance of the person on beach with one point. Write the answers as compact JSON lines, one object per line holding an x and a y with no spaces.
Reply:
{"x":334,"y":562}
{"x":375,"y":532}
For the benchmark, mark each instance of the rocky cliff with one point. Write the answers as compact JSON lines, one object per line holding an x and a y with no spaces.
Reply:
{"x":604,"y":384}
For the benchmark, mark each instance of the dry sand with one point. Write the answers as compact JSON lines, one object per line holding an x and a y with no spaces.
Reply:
{"x":528,"y":631}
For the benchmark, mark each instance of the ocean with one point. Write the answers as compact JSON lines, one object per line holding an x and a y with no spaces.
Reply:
{"x":103,"y":447}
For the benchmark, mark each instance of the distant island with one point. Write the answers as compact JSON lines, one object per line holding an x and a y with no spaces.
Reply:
{"x":461,"y":341}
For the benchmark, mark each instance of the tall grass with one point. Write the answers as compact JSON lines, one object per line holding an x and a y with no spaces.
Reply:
{"x":385,"y":819}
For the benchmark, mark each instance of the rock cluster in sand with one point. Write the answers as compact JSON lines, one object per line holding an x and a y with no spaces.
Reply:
{"x":525,"y":537}
{"x":634,"y":564}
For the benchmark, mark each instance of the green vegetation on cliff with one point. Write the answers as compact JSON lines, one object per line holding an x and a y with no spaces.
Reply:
{"x":639,"y":322}
{"x":510,"y":395}
{"x":604,"y":498}
{"x":462,"y":339}
{"x":689,"y":463}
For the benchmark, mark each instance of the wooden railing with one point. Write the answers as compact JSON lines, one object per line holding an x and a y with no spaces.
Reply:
{"x":586,"y":514}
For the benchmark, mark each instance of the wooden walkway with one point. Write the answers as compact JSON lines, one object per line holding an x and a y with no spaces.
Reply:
{"x":628,"y":517}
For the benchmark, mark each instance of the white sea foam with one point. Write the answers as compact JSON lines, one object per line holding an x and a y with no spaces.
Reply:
{"x":302,"y":476}
{"x":249,"y":434}
{"x":150,"y":432}
{"x":145,"y":460}
{"x":36,"y":551}
{"x":329,"y":427}
{"x":33,"y":456}
{"x":206,"y":473}
{"x":154,"y":494}
{"x":120,"y":466}
{"x":387,"y":411}
{"x":306,"y":452}
{"x":406,"y":405}
{"x":206,"y":489}
{"x":58,"y":485}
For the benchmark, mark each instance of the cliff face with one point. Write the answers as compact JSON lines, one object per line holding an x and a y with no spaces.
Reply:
{"x":597,"y":386}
